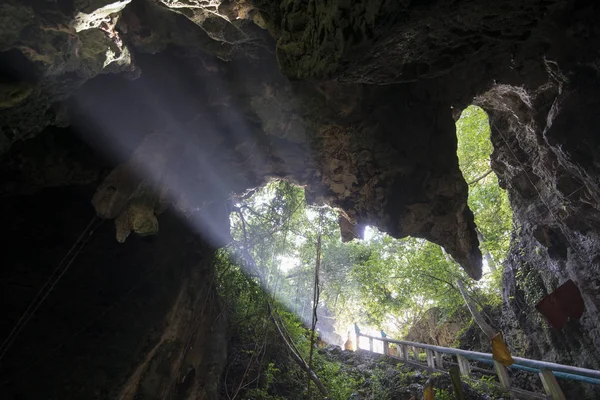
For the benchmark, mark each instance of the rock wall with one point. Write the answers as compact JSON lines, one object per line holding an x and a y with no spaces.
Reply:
{"x":383,"y":42}
{"x":545,"y":155}
{"x":436,"y":328}
{"x":139,"y":320}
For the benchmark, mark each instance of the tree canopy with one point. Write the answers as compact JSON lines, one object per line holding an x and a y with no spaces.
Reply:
{"x":382,"y":282}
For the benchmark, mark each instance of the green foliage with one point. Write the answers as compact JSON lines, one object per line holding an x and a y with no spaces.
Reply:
{"x":263,"y":392}
{"x":339,"y":383}
{"x":383,"y":282}
{"x":487,"y":385}
{"x":381,"y":386}
{"x":263,"y":358}
{"x":397,"y":281}
{"x":487,"y":200}
{"x":259,"y":365}
{"x":531,"y":283}
{"x":443,"y":394}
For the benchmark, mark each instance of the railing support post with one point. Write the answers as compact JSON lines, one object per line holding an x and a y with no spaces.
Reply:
{"x":503,"y":377}
{"x":551,"y":386}
{"x":435,"y":362}
{"x":404,"y":352}
{"x":463,"y":364}
{"x":439,"y":360}
{"x":430,"y":360}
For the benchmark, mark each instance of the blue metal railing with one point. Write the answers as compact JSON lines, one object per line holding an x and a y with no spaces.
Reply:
{"x":558,"y":370}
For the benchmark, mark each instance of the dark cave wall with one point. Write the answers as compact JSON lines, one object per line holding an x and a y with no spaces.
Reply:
{"x":347,"y":41}
{"x":126,"y":321}
{"x":545,"y":152}
{"x":546,"y":148}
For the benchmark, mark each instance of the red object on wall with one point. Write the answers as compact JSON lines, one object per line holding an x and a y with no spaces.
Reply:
{"x":564,"y":303}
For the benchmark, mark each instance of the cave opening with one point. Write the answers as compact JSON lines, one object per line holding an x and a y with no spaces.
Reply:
{"x":486,"y":199}
{"x":382,"y":284}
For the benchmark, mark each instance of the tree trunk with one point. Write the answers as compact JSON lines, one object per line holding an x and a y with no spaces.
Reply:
{"x":298,"y":359}
{"x":486,"y":254}
{"x":485,"y":327}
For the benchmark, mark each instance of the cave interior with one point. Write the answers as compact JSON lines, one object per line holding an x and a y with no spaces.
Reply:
{"x":126,"y":127}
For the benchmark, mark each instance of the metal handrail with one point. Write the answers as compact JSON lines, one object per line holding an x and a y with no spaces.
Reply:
{"x":547,"y":371}
{"x":477,"y":356}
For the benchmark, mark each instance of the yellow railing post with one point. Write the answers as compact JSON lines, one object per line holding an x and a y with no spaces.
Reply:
{"x":551,"y":385}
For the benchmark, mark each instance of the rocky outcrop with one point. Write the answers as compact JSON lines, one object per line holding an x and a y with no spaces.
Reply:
{"x":362,"y":158}
{"x":124,"y":322}
{"x":396,"y":41}
{"x":545,"y":152}
{"x":47,"y":51}
{"x":549,"y":178}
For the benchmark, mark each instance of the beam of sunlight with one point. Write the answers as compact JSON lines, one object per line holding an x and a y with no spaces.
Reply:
{"x":217,"y":156}
{"x":369,"y":234}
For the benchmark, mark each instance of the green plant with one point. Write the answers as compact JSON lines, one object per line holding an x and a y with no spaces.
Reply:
{"x":340,"y":384}
{"x":487,"y":200}
{"x":380,"y":387}
{"x":405,"y":376}
{"x":262,"y":393}
{"x":487,"y":385}
{"x":531,"y":283}
{"x":443,"y":394}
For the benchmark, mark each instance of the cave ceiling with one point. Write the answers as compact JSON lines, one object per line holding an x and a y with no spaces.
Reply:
{"x":194,"y":101}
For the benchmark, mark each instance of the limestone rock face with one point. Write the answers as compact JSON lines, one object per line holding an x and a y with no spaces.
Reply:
{"x":548,"y":174}
{"x":375,"y":41}
{"x":545,"y":152}
{"x":436,"y":328}
{"x":47,"y":51}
